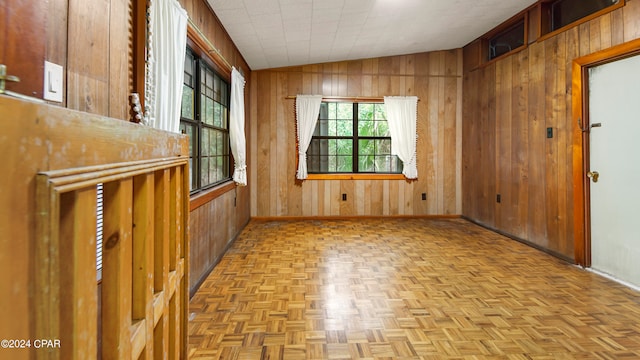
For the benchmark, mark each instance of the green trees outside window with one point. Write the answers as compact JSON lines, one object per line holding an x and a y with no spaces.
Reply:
{"x":352,"y":138}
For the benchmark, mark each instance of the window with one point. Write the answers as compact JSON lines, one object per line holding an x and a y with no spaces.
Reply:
{"x":205,"y":118}
{"x":507,"y":41}
{"x":557,"y":14}
{"x":352,"y":138}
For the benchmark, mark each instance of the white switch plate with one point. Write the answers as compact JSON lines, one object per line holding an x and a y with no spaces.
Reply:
{"x":53,"y":83}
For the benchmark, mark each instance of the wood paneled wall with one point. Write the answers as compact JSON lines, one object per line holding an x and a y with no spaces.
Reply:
{"x":90,"y":39}
{"x":434,"y":77}
{"x":205,"y":19}
{"x":215,"y":224}
{"x":507,"y":107}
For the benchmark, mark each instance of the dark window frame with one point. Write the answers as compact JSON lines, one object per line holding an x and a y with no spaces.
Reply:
{"x":506,"y":32}
{"x":504,"y":28}
{"x":355,"y":138}
{"x":547,"y":28}
{"x":202,"y":66}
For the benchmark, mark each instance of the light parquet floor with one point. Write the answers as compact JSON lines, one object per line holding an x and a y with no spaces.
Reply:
{"x":404,"y":289}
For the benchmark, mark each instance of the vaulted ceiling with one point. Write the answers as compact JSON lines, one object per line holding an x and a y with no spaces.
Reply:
{"x":278,"y":33}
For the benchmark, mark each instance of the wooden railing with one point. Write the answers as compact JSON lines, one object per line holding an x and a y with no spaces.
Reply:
{"x":140,"y":308}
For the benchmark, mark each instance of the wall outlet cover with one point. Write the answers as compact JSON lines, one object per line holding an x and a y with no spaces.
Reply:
{"x":53,"y":82}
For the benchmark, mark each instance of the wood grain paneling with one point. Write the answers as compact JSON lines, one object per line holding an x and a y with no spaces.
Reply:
{"x":433,"y":77}
{"x":215,"y":224}
{"x":507,"y":107}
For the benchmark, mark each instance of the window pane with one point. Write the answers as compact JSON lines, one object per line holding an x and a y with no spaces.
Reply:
{"x":380,"y":112}
{"x":331,"y":164}
{"x":323,"y":114}
{"x":224,"y":94}
{"x":187,"y":102}
{"x":383,"y":147}
{"x":204,"y":171}
{"x":313,"y":162}
{"x":210,"y":112}
{"x":217,"y":114}
{"x":192,"y":176}
{"x":220,"y":170}
{"x":321,"y":128}
{"x":383,"y":163}
{"x":344,"y":127}
{"x":225,"y":118}
{"x":216,"y":89}
{"x":213,"y":169}
{"x":209,"y":82}
{"x":365,"y":112}
{"x":331,"y":111}
{"x":332,"y":127}
{"x":220,"y":143}
{"x":344,"y":111}
{"x":366,"y":127}
{"x":366,"y":163}
{"x":333,"y":147}
{"x":344,"y":163}
{"x":507,"y":40}
{"x":366,"y":147}
{"x":205,"y":151}
{"x":344,"y":147}
{"x":381,"y":128}
{"x":213,"y":144}
{"x":564,"y":12}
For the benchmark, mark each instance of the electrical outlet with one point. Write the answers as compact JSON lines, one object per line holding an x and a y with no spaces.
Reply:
{"x":549,"y":132}
{"x":344,"y":197}
{"x":424,"y":196}
{"x":498,"y":198}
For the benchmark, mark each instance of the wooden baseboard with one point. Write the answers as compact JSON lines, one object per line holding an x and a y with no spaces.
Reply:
{"x":205,"y":275}
{"x":521,"y":240}
{"x":339,"y":217}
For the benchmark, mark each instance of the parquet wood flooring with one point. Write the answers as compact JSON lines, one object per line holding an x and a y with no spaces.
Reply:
{"x":404,"y":289}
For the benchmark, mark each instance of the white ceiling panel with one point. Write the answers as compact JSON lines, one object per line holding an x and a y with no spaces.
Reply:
{"x":279,"y":33}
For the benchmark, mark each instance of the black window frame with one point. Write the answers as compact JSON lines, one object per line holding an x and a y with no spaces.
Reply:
{"x":514,"y":33}
{"x":198,"y":81}
{"x":355,"y":138}
{"x":549,"y":7}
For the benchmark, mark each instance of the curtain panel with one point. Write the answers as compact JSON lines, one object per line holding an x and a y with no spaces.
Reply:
{"x":236,"y":128}
{"x":307,"y":111}
{"x":402,"y":113}
{"x":167,"y":45}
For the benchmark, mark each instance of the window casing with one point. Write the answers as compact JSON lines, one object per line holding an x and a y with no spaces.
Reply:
{"x":205,"y":118}
{"x":352,"y":138}
{"x":559,"y":15}
{"x":565,"y":12}
{"x":508,"y":40}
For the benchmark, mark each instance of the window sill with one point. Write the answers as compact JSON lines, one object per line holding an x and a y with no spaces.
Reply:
{"x":206,"y":196}
{"x":355,"y":177}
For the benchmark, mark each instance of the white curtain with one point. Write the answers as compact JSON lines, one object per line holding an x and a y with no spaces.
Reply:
{"x":402,"y":113}
{"x":307,"y":111}
{"x":236,"y":128}
{"x":167,"y":46}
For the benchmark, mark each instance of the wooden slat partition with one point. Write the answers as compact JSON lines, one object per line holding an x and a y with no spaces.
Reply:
{"x":142,"y":312}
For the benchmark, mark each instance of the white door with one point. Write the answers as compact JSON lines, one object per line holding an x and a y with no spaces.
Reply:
{"x":614,"y":103}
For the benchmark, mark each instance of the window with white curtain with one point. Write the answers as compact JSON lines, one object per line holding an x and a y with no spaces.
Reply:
{"x":205,"y":118}
{"x":352,"y":138}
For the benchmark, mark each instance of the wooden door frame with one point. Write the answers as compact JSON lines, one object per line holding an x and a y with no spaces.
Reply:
{"x":580,"y":142}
